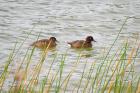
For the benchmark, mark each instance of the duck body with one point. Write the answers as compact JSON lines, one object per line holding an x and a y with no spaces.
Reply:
{"x":45,"y":43}
{"x":82,"y":43}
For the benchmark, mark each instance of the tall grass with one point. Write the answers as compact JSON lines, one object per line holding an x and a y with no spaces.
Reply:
{"x":114,"y":74}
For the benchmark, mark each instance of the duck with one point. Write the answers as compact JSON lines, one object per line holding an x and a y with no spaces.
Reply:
{"x":87,"y":43}
{"x":45,"y":43}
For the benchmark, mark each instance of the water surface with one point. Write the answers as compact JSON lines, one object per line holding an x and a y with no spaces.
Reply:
{"x":67,"y":20}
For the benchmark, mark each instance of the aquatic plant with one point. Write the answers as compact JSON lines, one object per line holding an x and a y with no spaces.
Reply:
{"x":114,"y":73}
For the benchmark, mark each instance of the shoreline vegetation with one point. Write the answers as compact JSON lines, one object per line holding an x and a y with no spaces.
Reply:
{"x":114,"y":74}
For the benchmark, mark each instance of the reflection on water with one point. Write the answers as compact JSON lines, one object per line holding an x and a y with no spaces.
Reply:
{"x":67,"y":20}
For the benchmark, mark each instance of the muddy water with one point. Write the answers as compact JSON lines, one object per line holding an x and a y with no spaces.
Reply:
{"x":67,"y":20}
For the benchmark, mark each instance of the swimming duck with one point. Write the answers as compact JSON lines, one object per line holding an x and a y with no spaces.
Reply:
{"x":87,"y":43}
{"x":45,"y":43}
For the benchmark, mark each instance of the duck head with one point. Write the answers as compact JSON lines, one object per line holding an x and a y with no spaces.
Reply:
{"x":90,"y":39}
{"x":53,"y":39}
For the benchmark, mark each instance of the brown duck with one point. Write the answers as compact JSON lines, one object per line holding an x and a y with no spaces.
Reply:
{"x":82,"y":43}
{"x":45,"y":43}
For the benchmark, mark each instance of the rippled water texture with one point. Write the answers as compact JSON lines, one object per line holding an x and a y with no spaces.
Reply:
{"x":67,"y":20}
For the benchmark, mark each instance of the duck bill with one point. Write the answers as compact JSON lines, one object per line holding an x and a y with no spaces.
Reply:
{"x":94,"y":41}
{"x":57,"y":41}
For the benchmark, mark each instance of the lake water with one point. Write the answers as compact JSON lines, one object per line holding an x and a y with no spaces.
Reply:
{"x":67,"y":20}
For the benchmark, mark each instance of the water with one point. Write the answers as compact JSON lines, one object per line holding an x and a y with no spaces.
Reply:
{"x":67,"y":20}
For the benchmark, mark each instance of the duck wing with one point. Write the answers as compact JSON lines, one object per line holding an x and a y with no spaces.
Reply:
{"x":73,"y":42}
{"x":77,"y":43}
{"x":40,"y":42}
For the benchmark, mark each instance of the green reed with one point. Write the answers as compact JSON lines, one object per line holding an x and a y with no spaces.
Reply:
{"x":113,"y":73}
{"x":5,"y":71}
